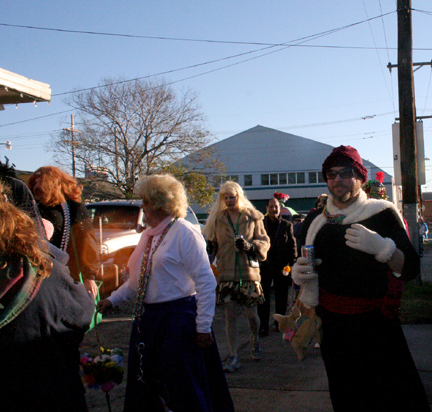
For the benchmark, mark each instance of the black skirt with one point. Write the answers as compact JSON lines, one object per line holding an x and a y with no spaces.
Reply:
{"x":166,"y":365}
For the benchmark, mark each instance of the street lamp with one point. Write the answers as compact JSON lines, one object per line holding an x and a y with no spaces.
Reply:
{"x":8,"y":145}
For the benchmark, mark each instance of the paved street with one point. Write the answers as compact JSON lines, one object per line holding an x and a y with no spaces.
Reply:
{"x":279,"y":382}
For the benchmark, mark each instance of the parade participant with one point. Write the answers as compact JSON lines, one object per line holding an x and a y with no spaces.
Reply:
{"x":357,"y":241}
{"x":173,"y":357}
{"x":43,"y":317}
{"x":282,"y":253}
{"x":236,"y":233}
{"x":59,"y":200}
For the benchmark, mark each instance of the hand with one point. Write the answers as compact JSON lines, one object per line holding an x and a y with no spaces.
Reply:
{"x":242,"y":244}
{"x":305,"y":276}
{"x":91,"y":287}
{"x":104,"y":306}
{"x":205,"y":340}
{"x":361,"y":238}
{"x":302,"y":273}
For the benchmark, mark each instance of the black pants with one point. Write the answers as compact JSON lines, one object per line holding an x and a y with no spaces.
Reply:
{"x":281,"y":287}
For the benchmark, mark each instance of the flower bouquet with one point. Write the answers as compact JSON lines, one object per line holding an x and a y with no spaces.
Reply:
{"x":104,"y":371}
{"x":281,"y":197}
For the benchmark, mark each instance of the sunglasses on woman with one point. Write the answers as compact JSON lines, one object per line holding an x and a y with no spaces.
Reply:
{"x":346,"y":173}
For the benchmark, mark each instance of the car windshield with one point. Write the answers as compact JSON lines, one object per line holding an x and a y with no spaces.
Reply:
{"x":123,"y":217}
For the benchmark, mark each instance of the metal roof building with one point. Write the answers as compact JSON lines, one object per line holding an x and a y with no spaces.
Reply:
{"x":264,"y":160}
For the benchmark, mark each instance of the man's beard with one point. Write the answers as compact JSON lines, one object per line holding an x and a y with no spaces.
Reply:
{"x":347,"y":196}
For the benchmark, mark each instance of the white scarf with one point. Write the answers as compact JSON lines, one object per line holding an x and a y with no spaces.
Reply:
{"x":361,"y":209}
{"x":136,"y":258}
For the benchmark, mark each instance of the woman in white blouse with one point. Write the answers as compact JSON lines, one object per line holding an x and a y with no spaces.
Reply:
{"x":173,"y":359}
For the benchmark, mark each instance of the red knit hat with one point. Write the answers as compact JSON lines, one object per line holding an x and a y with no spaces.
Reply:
{"x":345,"y":156}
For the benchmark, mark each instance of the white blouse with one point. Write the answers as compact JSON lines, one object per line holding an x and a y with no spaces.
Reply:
{"x":180,"y":268}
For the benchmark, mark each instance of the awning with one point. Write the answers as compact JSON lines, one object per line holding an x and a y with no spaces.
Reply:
{"x":16,"y":89}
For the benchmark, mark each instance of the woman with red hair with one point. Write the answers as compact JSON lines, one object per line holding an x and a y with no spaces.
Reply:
{"x":59,"y":200}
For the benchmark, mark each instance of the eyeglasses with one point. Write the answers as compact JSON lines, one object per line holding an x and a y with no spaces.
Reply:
{"x":344,"y":174}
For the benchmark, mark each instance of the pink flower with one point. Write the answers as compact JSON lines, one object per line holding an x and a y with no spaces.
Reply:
{"x":107,"y":387}
{"x":288,"y":335}
{"x":86,"y":359}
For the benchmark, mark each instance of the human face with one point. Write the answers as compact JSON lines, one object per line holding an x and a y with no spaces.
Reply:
{"x":231,"y":201}
{"x":273,"y":209}
{"x":345,"y":190}
{"x":37,"y":189}
{"x":152,"y":217}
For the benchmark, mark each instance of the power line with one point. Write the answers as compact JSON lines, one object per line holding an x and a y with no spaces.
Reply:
{"x":161,"y":37}
{"x":36,"y":118}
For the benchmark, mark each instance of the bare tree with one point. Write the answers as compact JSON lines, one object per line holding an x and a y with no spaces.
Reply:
{"x":128,"y":129}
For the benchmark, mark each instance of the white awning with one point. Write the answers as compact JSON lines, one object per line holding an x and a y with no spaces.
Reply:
{"x":15,"y":89}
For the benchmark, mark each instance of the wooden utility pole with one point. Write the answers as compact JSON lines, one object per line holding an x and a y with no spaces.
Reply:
{"x":407,"y":115}
{"x":72,"y":142}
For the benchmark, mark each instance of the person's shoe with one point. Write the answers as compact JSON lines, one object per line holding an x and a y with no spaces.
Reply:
{"x":256,"y":351}
{"x":263,"y":333}
{"x":231,"y":364}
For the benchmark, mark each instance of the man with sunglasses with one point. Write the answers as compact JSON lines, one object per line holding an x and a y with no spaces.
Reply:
{"x":358,"y":242}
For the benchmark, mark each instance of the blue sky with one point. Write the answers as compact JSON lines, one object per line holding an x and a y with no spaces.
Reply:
{"x":334,"y":88}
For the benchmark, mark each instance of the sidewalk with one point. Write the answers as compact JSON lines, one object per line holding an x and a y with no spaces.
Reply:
{"x":279,"y":382}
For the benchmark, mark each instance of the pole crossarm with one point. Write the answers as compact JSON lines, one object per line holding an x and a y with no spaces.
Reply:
{"x":390,"y":66}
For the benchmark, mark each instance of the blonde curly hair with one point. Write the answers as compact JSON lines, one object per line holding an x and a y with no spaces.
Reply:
{"x":164,"y":192}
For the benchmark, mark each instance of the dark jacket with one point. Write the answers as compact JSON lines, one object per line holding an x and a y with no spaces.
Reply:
{"x":283,"y":250}
{"x":39,"y":365}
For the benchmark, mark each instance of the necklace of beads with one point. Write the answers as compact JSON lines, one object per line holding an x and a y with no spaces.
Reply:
{"x":66,"y":227}
{"x":146,"y":269}
{"x":333,"y":219}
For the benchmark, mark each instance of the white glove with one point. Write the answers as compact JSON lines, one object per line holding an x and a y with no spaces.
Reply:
{"x":361,"y":238}
{"x":304,"y":276}
{"x":302,"y":273}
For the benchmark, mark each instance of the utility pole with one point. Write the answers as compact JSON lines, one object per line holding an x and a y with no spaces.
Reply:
{"x":407,"y":115}
{"x":72,"y":141}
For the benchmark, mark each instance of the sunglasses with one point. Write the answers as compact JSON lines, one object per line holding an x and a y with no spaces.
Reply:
{"x":344,"y":174}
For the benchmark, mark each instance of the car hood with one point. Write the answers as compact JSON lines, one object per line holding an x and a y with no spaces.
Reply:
{"x":115,"y":233}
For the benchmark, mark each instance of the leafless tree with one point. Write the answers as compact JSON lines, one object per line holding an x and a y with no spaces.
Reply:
{"x":128,"y":129}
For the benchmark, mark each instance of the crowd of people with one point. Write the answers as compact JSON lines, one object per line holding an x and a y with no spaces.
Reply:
{"x":49,"y":261}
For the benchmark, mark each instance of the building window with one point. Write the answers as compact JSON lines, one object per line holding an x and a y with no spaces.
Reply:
{"x":282,"y":178}
{"x":265,"y":180}
{"x":219,"y":180}
{"x":292,"y":180}
{"x":273,"y":179}
{"x":313,"y":177}
{"x":301,"y":178}
{"x":248,"y":180}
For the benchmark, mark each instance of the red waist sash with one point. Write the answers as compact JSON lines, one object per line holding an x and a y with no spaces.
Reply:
{"x":352,"y":305}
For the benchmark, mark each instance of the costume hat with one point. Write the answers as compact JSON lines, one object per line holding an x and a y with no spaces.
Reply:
{"x":374,"y":188}
{"x":346,"y":156}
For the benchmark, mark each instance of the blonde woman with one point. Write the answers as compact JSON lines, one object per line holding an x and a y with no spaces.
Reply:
{"x":237,"y":236}
{"x":173,"y":359}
